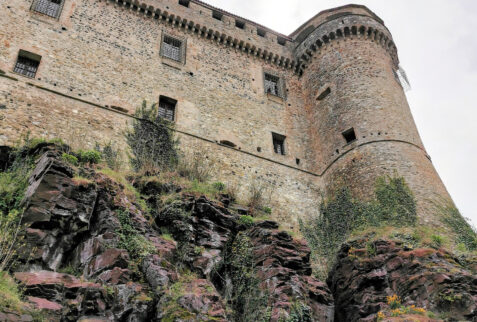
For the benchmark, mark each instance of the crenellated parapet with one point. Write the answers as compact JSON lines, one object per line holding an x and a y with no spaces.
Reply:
{"x":343,"y":27}
{"x":207,"y":29}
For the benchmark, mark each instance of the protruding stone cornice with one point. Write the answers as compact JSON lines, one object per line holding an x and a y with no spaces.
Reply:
{"x":203,"y":31}
{"x":358,"y":27}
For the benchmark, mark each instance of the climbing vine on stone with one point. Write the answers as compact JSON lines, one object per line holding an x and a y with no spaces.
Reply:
{"x":339,"y":215}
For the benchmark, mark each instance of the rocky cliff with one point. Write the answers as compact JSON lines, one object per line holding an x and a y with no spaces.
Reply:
{"x":93,"y":250}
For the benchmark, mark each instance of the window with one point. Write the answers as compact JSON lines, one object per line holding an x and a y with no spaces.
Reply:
{"x":167,"y":108}
{"x":50,"y":8}
{"x":184,"y":3}
{"x":325,"y":93}
{"x":281,"y":41}
{"x":278,"y":143}
{"x":239,"y":24}
{"x":273,"y":85}
{"x":27,"y":64}
{"x":217,"y":15}
{"x":172,"y":48}
{"x":261,"y":32}
{"x":349,"y":135}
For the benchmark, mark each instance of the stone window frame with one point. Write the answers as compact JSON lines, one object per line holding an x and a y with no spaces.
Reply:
{"x":280,"y":84}
{"x":168,"y":105}
{"x":23,"y":64}
{"x":278,"y":140}
{"x":36,"y":6}
{"x":183,"y":47}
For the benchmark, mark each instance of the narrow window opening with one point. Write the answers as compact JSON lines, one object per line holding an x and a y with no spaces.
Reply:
{"x":261,"y":32}
{"x":349,"y":135}
{"x":172,"y":48}
{"x":272,"y":85}
{"x":239,"y":24}
{"x":50,"y":8}
{"x":167,"y":108}
{"x":325,"y":93}
{"x":228,"y":143}
{"x":297,"y":161}
{"x":184,"y":3}
{"x":278,"y":143}
{"x":27,"y":64}
{"x":217,"y":15}
{"x":281,"y":41}
{"x":259,"y":149}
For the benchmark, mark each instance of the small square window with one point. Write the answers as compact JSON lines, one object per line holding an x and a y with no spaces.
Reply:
{"x":278,"y":143}
{"x":172,"y":48}
{"x":323,"y":95}
{"x":281,"y":41}
{"x":50,"y":8}
{"x":349,"y":135}
{"x":217,"y":15}
{"x":27,"y":64}
{"x":184,"y":3}
{"x":167,"y":108}
{"x":239,"y":24}
{"x":261,"y":32}
{"x":273,"y":85}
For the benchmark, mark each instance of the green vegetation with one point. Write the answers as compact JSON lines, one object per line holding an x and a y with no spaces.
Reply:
{"x":10,"y":296}
{"x":267,"y":210}
{"x":219,"y":186}
{"x":246,"y":298}
{"x":172,"y":310}
{"x":300,"y":313}
{"x":151,"y":142}
{"x":131,"y":240}
{"x":69,"y":158}
{"x":437,"y":241}
{"x":88,"y":156}
{"x":464,"y":232}
{"x":111,"y":155}
{"x":246,"y":220}
{"x":340,"y":215}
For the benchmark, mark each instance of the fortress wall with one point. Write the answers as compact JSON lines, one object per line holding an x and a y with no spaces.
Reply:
{"x":110,"y":56}
{"x":366,"y":96}
{"x":360,"y":167}
{"x":48,"y":115}
{"x":289,"y":192}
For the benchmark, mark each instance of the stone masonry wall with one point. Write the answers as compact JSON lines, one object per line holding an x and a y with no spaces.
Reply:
{"x":101,"y":55}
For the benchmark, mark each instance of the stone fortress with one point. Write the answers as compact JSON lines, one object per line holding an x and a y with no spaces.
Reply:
{"x":297,"y":114}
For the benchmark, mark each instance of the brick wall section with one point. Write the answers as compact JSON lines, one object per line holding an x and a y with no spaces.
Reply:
{"x":100,"y":54}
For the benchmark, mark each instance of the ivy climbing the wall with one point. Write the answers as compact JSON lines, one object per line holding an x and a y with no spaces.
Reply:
{"x":341,"y":214}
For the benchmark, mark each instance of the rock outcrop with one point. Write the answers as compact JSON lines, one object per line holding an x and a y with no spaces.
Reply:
{"x":92,"y":254}
{"x":368,"y":272}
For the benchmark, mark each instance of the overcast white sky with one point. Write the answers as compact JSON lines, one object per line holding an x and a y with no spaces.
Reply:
{"x":437,"y":46}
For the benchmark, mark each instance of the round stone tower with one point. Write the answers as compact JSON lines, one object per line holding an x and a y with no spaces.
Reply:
{"x":361,"y":123}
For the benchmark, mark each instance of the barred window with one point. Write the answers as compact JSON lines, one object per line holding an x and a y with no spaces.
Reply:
{"x":50,"y":8}
{"x":278,"y":143}
{"x":27,"y":64}
{"x":171,"y":48}
{"x":167,"y":108}
{"x":273,"y":85}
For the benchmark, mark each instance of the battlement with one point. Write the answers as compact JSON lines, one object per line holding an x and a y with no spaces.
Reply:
{"x":289,"y":52}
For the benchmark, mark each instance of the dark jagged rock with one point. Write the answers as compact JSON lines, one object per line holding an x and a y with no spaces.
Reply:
{"x":6,"y":158}
{"x":74,"y":226}
{"x":427,"y":278}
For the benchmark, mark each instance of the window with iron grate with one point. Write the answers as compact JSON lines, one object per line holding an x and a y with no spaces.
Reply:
{"x":167,"y":108}
{"x":278,"y":143}
{"x":27,"y":64}
{"x":273,"y":85}
{"x":50,"y":8}
{"x":172,"y":48}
